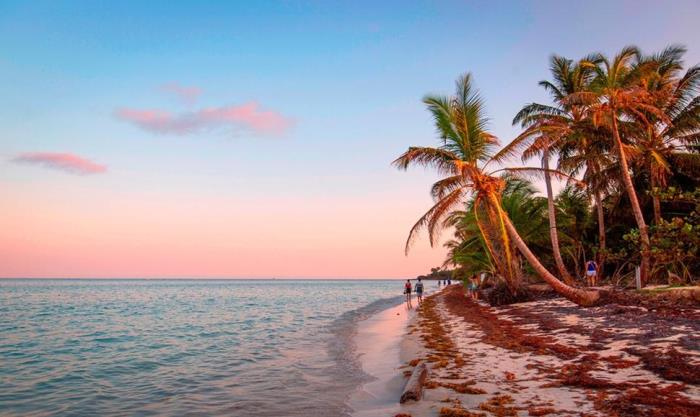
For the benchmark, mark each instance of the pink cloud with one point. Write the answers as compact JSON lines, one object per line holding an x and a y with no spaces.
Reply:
{"x":245,"y":116}
{"x":188,"y":95}
{"x":66,"y":162}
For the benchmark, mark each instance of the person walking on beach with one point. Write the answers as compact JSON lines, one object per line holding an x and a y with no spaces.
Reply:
{"x":473,"y":287}
{"x":419,"y":291}
{"x":591,"y":273}
{"x":407,"y":291}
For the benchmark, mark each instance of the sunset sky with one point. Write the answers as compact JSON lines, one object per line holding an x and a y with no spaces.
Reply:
{"x":254,"y":139}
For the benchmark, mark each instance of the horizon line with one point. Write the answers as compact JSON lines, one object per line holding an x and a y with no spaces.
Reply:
{"x":210,"y":279}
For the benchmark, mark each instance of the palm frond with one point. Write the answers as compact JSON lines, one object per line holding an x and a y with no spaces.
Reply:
{"x":539,"y":173}
{"x":439,"y":159}
{"x":432,"y":218}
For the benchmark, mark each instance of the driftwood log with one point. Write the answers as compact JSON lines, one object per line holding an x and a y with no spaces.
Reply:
{"x":414,"y":387}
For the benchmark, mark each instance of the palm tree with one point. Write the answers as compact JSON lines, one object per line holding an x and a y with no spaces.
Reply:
{"x":587,"y":155}
{"x":468,"y":250}
{"x":573,"y":204}
{"x":614,"y":98}
{"x":462,"y":158}
{"x":548,"y":127}
{"x":663,"y":141}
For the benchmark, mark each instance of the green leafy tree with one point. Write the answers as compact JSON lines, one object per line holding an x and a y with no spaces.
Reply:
{"x":462,"y":158}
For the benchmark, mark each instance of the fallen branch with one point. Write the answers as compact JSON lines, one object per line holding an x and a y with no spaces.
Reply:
{"x":414,"y":387}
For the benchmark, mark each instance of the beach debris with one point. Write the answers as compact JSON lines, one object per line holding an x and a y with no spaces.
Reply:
{"x":500,"y":406}
{"x":458,"y":412}
{"x":542,"y":411}
{"x":610,"y":361}
{"x":466,"y":387}
{"x":414,"y":387}
{"x":414,"y":362}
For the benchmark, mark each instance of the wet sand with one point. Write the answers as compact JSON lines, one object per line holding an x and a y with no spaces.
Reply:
{"x":384,"y":348}
{"x":379,"y":347}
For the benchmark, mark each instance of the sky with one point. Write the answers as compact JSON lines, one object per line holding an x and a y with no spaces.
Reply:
{"x":254,"y":139}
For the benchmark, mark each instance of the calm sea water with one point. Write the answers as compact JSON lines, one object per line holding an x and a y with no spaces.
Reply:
{"x":171,"y":347}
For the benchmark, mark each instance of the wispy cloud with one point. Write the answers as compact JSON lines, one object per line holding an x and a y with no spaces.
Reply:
{"x":188,"y":95}
{"x":247,"y":116}
{"x":66,"y":162}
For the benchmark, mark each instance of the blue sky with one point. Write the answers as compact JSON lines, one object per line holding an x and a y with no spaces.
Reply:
{"x":347,"y":76}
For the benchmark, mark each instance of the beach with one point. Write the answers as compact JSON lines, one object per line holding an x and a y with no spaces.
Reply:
{"x":545,"y":357}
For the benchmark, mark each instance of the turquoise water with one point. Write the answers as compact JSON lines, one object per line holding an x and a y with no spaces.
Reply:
{"x":172,"y":347}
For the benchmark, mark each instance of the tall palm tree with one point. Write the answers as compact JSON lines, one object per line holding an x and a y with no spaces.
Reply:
{"x":462,"y":158}
{"x":614,"y":98}
{"x":547,"y":128}
{"x":573,"y":204}
{"x":661,"y":142}
{"x":587,"y":155}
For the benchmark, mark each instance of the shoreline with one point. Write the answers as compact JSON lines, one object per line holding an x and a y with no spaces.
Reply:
{"x":378,"y":347}
{"x":383,"y":347}
{"x":541,"y":358}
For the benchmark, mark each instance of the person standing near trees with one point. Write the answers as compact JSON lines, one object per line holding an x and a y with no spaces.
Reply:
{"x":591,"y":273}
{"x":473,"y":287}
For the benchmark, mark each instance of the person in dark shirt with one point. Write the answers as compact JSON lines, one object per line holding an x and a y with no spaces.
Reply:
{"x":419,"y":290}
{"x":407,"y":291}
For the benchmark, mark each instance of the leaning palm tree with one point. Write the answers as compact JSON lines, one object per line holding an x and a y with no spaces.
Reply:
{"x":615,"y":97}
{"x":468,"y":249}
{"x":463,"y":157}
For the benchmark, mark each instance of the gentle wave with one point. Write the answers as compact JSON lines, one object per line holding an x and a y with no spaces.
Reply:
{"x":241,"y":348}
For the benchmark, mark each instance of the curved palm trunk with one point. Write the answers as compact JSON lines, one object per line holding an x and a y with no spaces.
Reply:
{"x":634,"y":202}
{"x":553,"y":234}
{"x":577,"y":295}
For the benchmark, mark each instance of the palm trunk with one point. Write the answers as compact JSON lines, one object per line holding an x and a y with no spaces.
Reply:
{"x":634,"y":202}
{"x":657,"y":209}
{"x":655,"y":199}
{"x":577,"y":295}
{"x":601,"y":215}
{"x":601,"y":229}
{"x":553,"y":234}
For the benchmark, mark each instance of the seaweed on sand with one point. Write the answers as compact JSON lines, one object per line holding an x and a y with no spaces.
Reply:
{"x":649,"y":401}
{"x":541,"y":411}
{"x":458,"y":412}
{"x":466,"y":387}
{"x":671,"y":364}
{"x":500,"y":332}
{"x":500,"y":406}
{"x":435,"y":336}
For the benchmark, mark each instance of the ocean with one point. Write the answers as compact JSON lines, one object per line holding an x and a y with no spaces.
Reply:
{"x":183,"y":347}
